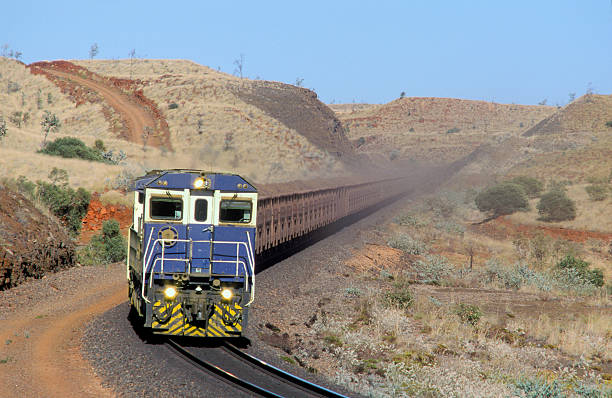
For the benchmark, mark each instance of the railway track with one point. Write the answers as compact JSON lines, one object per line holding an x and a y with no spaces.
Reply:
{"x":248,"y":373}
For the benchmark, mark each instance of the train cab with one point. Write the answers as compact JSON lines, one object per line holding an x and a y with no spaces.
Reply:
{"x":191,"y":263}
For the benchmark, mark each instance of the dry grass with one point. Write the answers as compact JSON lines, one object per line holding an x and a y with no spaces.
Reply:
{"x":208,"y":111}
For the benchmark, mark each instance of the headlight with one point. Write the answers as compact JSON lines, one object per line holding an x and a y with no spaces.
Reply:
{"x":199,"y":183}
{"x":170,"y":292}
{"x":227,"y":293}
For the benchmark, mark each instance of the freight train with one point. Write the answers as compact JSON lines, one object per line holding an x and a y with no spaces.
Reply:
{"x":195,"y":236}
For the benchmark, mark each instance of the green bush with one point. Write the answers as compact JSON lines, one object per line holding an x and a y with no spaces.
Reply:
{"x":107,"y":247}
{"x":555,"y":205}
{"x":68,"y":205}
{"x":99,"y":145}
{"x":609,"y":123}
{"x":532,"y":186}
{"x":453,"y":130}
{"x":597,"y":191}
{"x":501,"y":199}
{"x":173,"y":105}
{"x":433,"y":270}
{"x":469,"y":313}
{"x":70,"y":147}
{"x":582,"y":269}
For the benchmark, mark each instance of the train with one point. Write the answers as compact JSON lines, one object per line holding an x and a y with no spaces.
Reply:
{"x":196,"y":235}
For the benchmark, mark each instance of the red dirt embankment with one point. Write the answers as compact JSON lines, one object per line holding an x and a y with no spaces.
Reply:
{"x":502,"y":228}
{"x":141,"y":120}
{"x":31,"y":244}
{"x":98,"y":212}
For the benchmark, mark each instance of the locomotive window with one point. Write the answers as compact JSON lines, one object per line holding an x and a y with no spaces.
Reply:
{"x":201,"y":210}
{"x":236,"y":211}
{"x":167,"y":208}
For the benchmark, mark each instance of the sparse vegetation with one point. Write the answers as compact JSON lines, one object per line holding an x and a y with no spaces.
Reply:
{"x":502,"y":199}
{"x":453,"y":130}
{"x":609,"y":123}
{"x":555,"y":205}
{"x":104,"y":248}
{"x":597,"y":192}
{"x":581,"y":269}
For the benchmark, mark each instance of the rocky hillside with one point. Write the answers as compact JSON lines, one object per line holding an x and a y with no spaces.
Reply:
{"x":31,"y":244}
{"x":434,"y":128}
{"x":218,"y":121}
{"x":588,"y":113}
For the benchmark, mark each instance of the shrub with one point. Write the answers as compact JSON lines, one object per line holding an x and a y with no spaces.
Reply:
{"x":592,"y":276}
{"x":597,"y":191}
{"x":68,"y":205}
{"x":609,"y":123}
{"x":469,"y":313}
{"x":407,"y":244}
{"x":537,"y":388}
{"x":555,"y":205}
{"x":501,"y":199}
{"x":99,"y":145}
{"x":532,"y":186}
{"x":107,"y":247}
{"x":434,"y":270}
{"x":399,"y":297}
{"x":173,"y":105}
{"x":70,"y":147}
{"x":453,"y":130}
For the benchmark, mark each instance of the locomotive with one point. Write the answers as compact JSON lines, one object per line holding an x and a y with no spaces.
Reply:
{"x":191,"y":261}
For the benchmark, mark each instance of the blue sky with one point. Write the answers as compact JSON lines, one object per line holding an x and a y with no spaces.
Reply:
{"x":347,"y":51}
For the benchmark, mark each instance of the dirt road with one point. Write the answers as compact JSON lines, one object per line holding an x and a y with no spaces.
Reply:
{"x":40,"y":336}
{"x":140,"y":123}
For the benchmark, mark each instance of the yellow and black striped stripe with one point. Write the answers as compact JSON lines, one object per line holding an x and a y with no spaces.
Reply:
{"x":174,"y":321}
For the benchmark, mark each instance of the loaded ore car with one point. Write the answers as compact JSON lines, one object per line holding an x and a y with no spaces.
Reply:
{"x":190,"y":267}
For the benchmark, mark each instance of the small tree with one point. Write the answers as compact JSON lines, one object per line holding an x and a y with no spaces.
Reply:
{"x":299,"y":81}
{"x":402,"y":94}
{"x":2,"y":128}
{"x":543,"y":102}
{"x":572,"y":97}
{"x":93,"y":51}
{"x":555,"y":205}
{"x":501,"y":199}
{"x":50,"y":124}
{"x":533,"y":187}
{"x":132,"y":54}
{"x":239,"y":62}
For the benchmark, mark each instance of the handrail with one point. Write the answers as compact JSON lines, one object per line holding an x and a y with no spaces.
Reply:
{"x":151,"y":266}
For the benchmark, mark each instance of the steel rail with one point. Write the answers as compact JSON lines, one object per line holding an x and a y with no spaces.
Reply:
{"x":200,"y":363}
{"x":286,"y":376}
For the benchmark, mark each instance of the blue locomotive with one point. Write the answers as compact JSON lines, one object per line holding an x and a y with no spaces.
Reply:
{"x":191,"y":263}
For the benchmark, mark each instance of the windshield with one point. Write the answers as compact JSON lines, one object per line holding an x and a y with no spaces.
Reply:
{"x":167,"y":208}
{"x":235,"y":211}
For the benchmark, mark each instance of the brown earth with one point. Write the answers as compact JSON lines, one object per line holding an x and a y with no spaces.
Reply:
{"x":122,"y":96}
{"x":503,"y":229}
{"x":41,"y":332}
{"x":31,"y":244}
